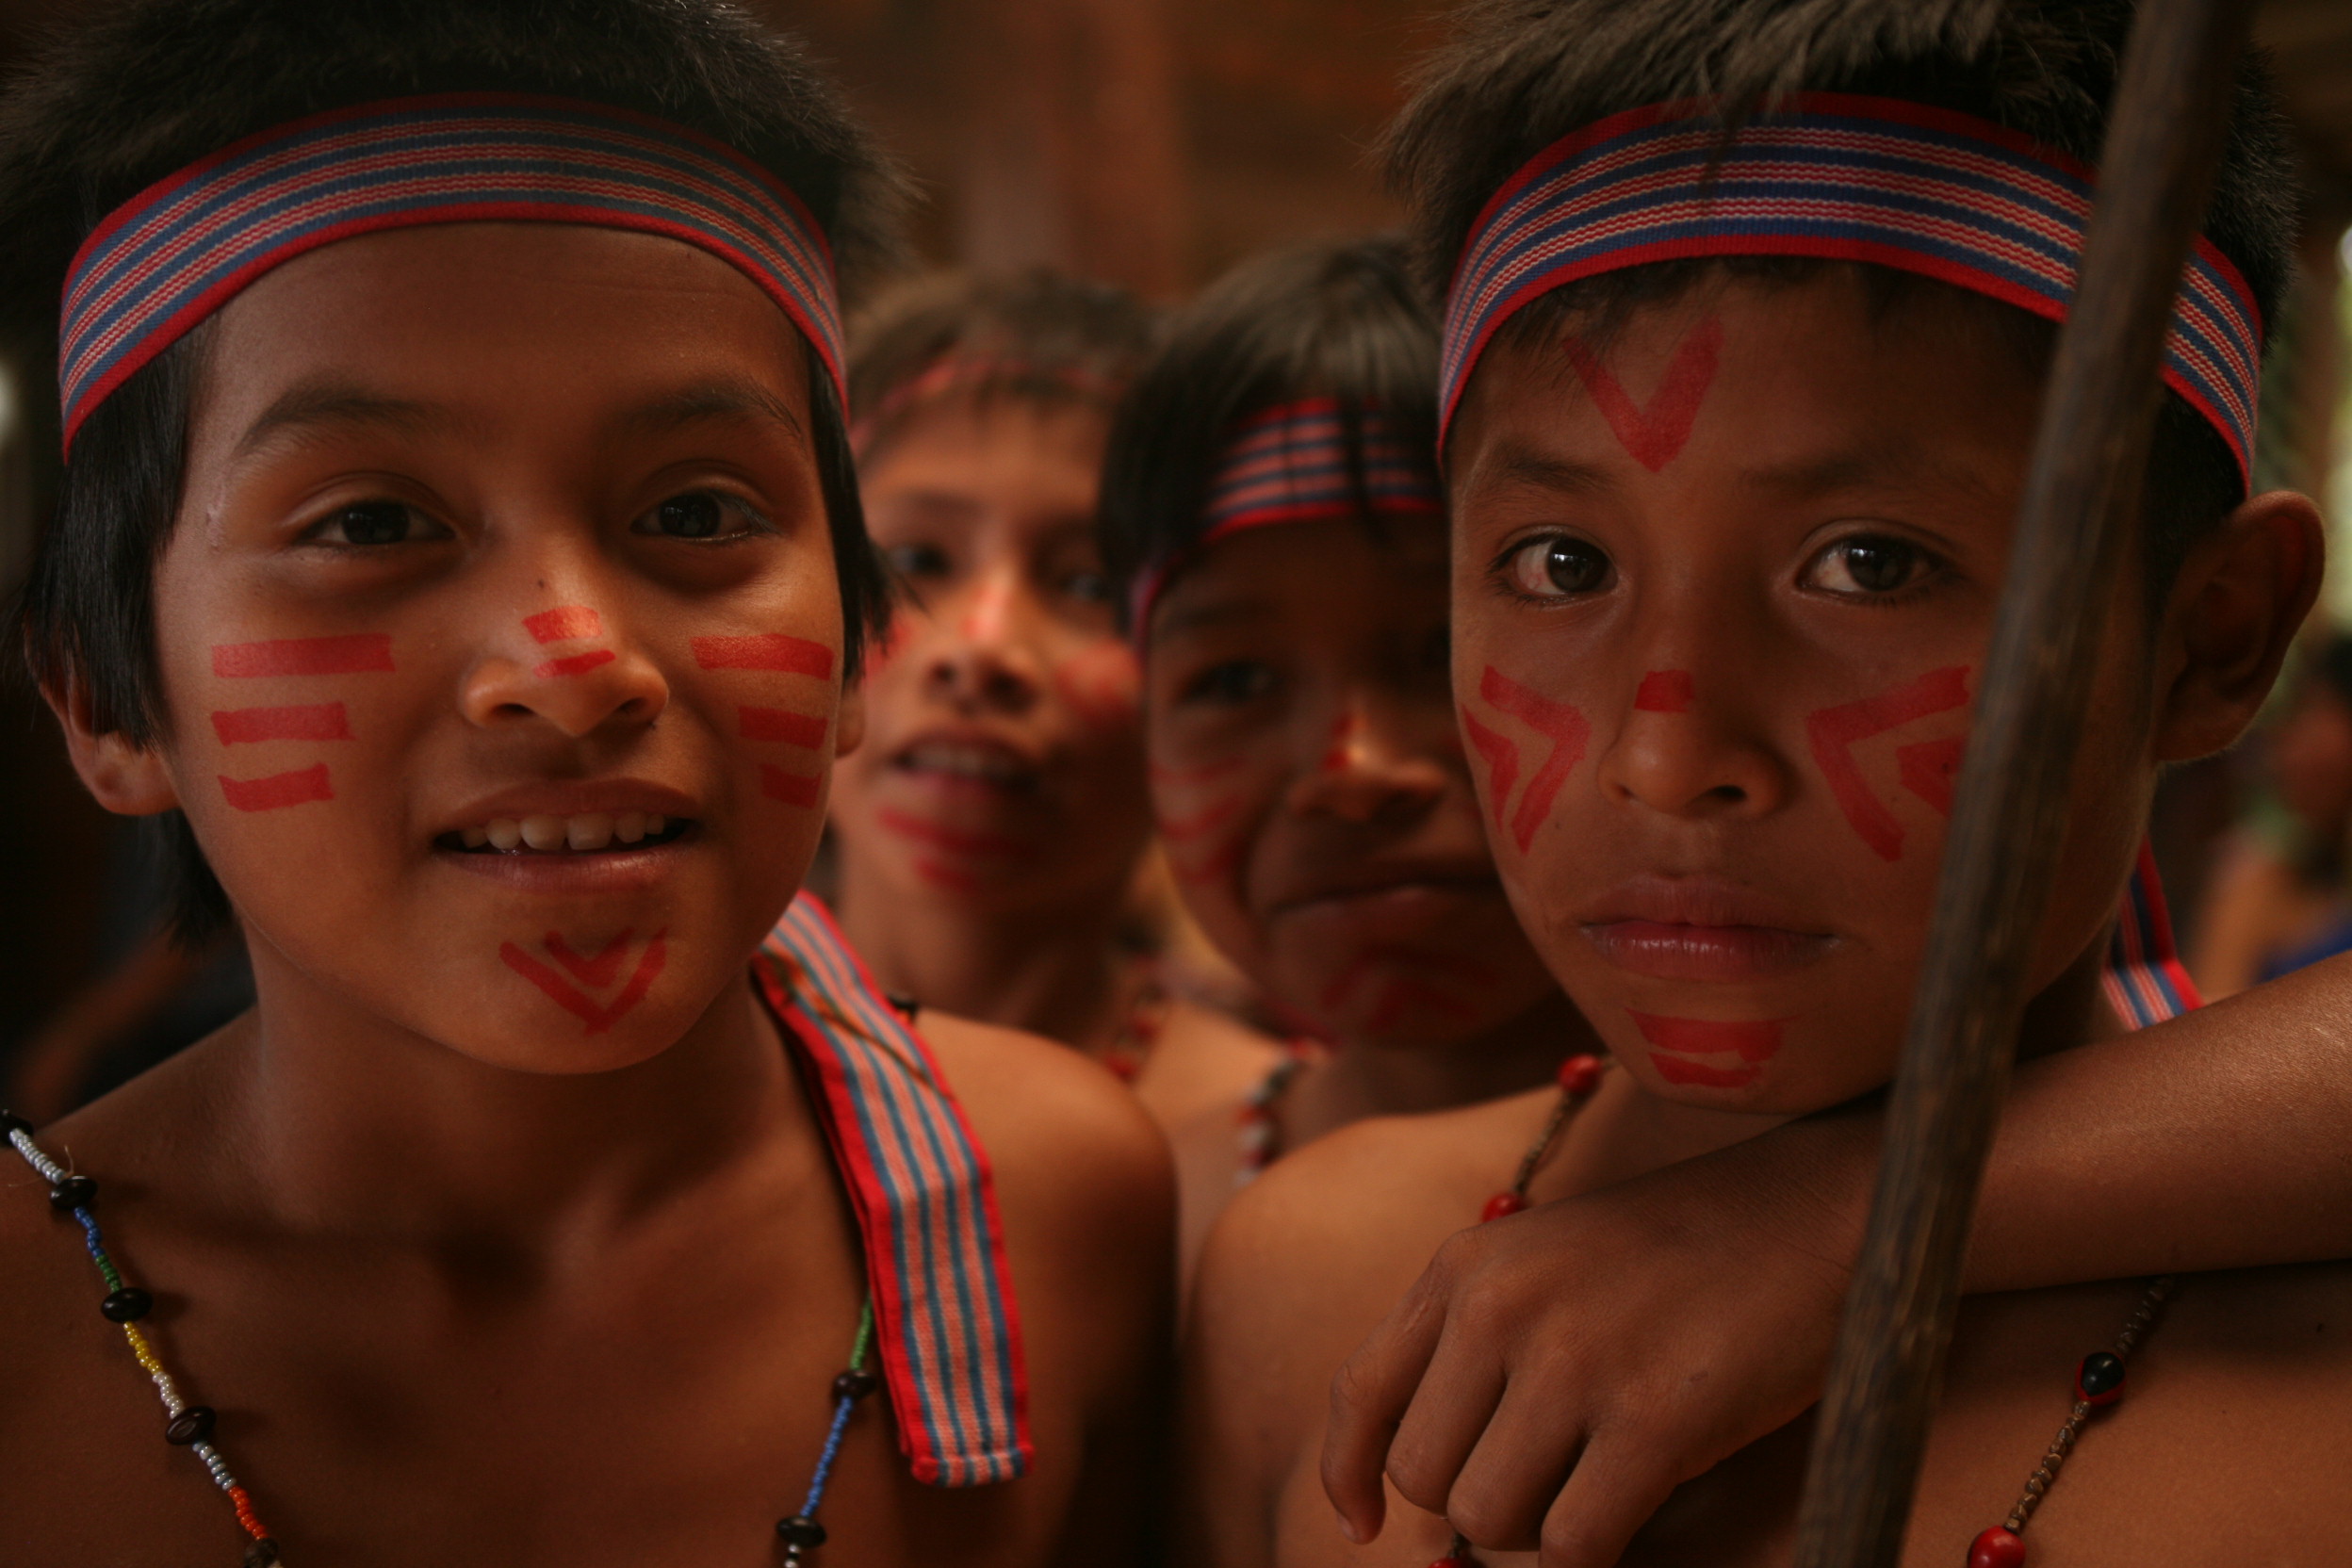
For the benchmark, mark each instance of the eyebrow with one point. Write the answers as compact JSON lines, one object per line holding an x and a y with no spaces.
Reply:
{"x":1517,"y":465}
{"x":1216,"y":613}
{"x":1901,"y":471}
{"x":705,"y":401}
{"x":314,"y":406}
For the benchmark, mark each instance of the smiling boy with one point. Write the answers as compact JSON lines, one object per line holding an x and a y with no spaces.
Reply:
{"x":458,"y":541}
{"x":1736,"y":427}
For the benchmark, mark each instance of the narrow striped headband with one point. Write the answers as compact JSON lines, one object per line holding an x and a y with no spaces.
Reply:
{"x":1901,"y":185}
{"x":1291,"y":463}
{"x":184,"y":247}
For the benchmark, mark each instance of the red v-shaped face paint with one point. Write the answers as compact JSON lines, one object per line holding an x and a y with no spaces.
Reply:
{"x":1562,"y":724}
{"x":1927,"y":769}
{"x":1653,"y":433}
{"x":574,"y":982}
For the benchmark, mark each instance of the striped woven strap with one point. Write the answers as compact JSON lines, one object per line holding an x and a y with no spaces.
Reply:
{"x":1848,"y":178}
{"x":1295,"y":463}
{"x":2145,"y":982}
{"x":180,"y":250}
{"x":919,"y":1181}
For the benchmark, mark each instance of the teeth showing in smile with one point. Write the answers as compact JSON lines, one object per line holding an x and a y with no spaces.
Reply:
{"x":990,"y":764}
{"x":585,"y":833}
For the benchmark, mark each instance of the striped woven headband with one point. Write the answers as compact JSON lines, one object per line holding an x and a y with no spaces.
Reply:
{"x":184,"y":247}
{"x":1921,"y":190}
{"x":1291,"y":463}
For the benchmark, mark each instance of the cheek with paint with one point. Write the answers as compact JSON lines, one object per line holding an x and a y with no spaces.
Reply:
{"x":1924,"y":768}
{"x":1201,"y":818}
{"x":1655,"y":433}
{"x":569,"y":623}
{"x":776,"y":653}
{"x":1559,"y":728}
{"x":1381,"y":988}
{"x":1102,"y":684}
{"x":599,"y":988}
{"x":1710,"y":1053}
{"x":278,"y":726}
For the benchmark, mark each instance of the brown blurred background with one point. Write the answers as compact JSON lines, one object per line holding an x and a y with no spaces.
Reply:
{"x":1150,"y":142}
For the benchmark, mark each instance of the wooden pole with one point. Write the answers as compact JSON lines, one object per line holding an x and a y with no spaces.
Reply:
{"x":2172,"y":109}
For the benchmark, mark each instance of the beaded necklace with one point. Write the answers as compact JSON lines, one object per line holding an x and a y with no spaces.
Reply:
{"x":190,"y":1426}
{"x":1261,"y":1130}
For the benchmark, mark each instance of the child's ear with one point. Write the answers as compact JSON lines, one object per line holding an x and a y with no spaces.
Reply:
{"x":849,"y":723}
{"x":129,"y":780}
{"x":2240,"y":598}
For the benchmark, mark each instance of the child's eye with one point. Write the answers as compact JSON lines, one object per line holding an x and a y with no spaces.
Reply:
{"x":1870,"y":563}
{"x":1233,"y":683}
{"x":1088,"y":587}
{"x":1558,"y":566}
{"x":917,"y":560}
{"x":374,"y":523}
{"x":701,"y":514}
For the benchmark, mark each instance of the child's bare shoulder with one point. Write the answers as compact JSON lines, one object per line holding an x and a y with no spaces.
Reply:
{"x":1203,"y":1061}
{"x":1042,"y":1108}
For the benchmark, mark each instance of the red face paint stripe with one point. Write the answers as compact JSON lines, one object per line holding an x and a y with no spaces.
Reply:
{"x":567,"y":996}
{"x":793,"y":789}
{"x":365,"y":653}
{"x":1655,"y":437}
{"x":1502,"y":764}
{"x":1569,"y":732}
{"x":317,"y":721}
{"x":769,"y":651}
{"x":563,"y":623}
{"x":280,"y":789}
{"x":1178,"y":830}
{"x":1665,"y":692}
{"x":1678,"y":1070}
{"x":576,"y":663}
{"x":947,"y":838}
{"x":1836,"y":731}
{"x":596,"y":971}
{"x":1751,"y":1039}
{"x":1930,"y":770}
{"x":783,"y":725}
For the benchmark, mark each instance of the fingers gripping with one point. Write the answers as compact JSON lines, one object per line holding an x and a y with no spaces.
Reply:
{"x":1369,"y":1398}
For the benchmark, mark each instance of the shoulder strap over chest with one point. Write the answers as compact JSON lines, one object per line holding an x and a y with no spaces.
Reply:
{"x":944,"y":1315}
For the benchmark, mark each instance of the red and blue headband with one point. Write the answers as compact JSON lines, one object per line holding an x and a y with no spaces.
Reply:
{"x":1290,"y":463}
{"x":182,"y":247}
{"x":1901,"y":185}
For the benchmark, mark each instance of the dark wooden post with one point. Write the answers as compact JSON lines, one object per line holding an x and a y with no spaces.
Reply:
{"x":2179,"y":83}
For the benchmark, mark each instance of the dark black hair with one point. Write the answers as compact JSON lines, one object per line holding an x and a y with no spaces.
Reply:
{"x":1037,"y":336}
{"x":1338,"y":320}
{"x":1519,"y":75}
{"x":133,"y":91}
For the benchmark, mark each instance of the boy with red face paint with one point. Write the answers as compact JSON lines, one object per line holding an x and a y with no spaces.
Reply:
{"x":1270,"y":501}
{"x":1730,"y":512}
{"x":459,"y":548}
{"x":991,"y":827}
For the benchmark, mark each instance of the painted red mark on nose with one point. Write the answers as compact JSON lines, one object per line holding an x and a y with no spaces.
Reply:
{"x":575,"y":664}
{"x":317,"y":721}
{"x":946,"y":837}
{"x":1102,"y":685}
{"x":783,"y":725}
{"x":598,"y":1016}
{"x":1836,"y":731}
{"x":595,"y":973}
{"x":363,"y":653}
{"x":1664,"y":692}
{"x":563,"y":623}
{"x":772,"y":650}
{"x":280,"y":789}
{"x":1930,"y":769}
{"x":1654,"y":435}
{"x":793,"y":789}
{"x":1561,"y":722}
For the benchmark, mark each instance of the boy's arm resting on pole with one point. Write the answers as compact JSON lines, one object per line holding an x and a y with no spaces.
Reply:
{"x":1622,"y":1342}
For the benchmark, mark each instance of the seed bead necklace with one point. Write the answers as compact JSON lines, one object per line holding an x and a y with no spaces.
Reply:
{"x":190,"y":1426}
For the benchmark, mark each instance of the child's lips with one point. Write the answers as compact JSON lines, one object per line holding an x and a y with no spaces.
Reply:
{"x":1660,"y":950}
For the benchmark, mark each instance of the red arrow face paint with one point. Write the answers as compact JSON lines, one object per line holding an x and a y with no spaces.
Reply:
{"x":364,"y":654}
{"x":1653,"y":435}
{"x":1559,"y":722}
{"x":1664,"y":692}
{"x":1836,"y":731}
{"x":1930,"y":769}
{"x":318,"y":720}
{"x":594,"y":974}
{"x":773,"y":650}
{"x":279,"y":790}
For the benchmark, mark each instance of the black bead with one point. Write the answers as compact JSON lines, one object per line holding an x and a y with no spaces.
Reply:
{"x":74,"y":1192}
{"x":855,"y":1386}
{"x":262,"y":1554}
{"x":800,"y":1530}
{"x":907,"y":1007}
{"x":11,"y":1123}
{"x":192,"y":1425}
{"x":127,"y":1305}
{"x":2101,"y":1374}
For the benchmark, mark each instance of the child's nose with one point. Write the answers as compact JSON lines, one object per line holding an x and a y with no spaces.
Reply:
{"x":1684,"y":754}
{"x":1370,"y":761}
{"x":569,"y":666}
{"x":981,"y":649}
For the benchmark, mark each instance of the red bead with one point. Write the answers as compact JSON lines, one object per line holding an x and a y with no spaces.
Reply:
{"x":1580,"y":1075}
{"x":1454,"y":1563}
{"x":1501,"y":1206}
{"x":1997,"y":1548}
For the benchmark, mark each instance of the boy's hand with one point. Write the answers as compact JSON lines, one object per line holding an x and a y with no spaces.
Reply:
{"x":1553,"y":1376}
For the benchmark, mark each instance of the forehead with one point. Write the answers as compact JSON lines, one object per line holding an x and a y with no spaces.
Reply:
{"x":970,"y":441}
{"x":1304,"y":579}
{"x":493,"y":324}
{"x":1763,"y":382}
